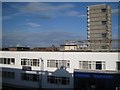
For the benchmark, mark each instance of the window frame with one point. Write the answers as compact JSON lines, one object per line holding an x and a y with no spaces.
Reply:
{"x":53,"y":63}
{"x":30,"y":62}
{"x":91,"y":65}
{"x":58,"y":80}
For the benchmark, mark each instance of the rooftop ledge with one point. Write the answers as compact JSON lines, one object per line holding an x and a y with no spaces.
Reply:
{"x":97,"y":71}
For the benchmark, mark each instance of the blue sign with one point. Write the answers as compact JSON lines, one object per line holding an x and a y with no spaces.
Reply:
{"x":82,"y":75}
{"x":103,"y":76}
{"x":94,"y":75}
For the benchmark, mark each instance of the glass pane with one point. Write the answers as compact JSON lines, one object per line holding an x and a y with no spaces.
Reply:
{"x":99,"y":65}
{"x":8,"y":61}
{"x":1,"y":60}
{"x":118,"y":65}
{"x":5,"y":61}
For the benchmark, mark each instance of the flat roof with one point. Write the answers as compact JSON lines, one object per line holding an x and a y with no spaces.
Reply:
{"x":98,"y":5}
{"x":97,"y":71}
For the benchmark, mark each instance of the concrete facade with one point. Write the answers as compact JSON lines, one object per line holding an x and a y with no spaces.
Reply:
{"x":99,"y":27}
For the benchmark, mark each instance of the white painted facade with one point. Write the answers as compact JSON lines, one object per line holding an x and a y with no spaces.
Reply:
{"x":110,"y":59}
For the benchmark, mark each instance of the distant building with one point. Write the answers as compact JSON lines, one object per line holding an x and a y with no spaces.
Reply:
{"x":4,"y":49}
{"x":52,"y":48}
{"x":74,"y":46}
{"x":68,"y":47}
{"x":99,"y":27}
{"x":16,"y":49}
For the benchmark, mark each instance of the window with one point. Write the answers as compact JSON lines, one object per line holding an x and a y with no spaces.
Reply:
{"x":8,"y":75}
{"x":85,"y":65}
{"x":24,"y":62}
{"x":58,"y":63}
{"x":104,"y":47}
{"x":7,"y":61}
{"x":103,"y":65}
{"x":29,"y":77}
{"x":103,"y":10}
{"x":35,"y":62}
{"x":92,"y":65}
{"x":118,"y":65}
{"x":51,"y":79}
{"x":35,"y":77}
{"x":1,"y":60}
{"x":52,"y":63}
{"x":104,"y":35}
{"x":104,"y":22}
{"x":89,"y":64}
{"x":30,"y":62}
{"x":68,"y":64}
{"x":98,"y":65}
{"x":12,"y":60}
{"x":58,"y":80}
{"x":64,"y":80}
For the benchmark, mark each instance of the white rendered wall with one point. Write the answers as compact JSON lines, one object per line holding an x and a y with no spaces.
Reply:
{"x":109,"y":57}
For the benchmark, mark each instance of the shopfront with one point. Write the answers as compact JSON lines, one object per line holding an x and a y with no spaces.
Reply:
{"x":96,"y":81}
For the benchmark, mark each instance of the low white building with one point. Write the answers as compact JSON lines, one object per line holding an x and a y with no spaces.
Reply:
{"x":74,"y":46}
{"x":30,"y":69}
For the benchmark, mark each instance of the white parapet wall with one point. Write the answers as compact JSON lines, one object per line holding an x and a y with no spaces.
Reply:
{"x":110,"y":58}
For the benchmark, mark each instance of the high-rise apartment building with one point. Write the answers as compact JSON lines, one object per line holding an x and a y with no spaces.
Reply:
{"x":99,"y":27}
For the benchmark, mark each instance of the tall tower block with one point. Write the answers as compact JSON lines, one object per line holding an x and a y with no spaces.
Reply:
{"x":99,"y":33}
